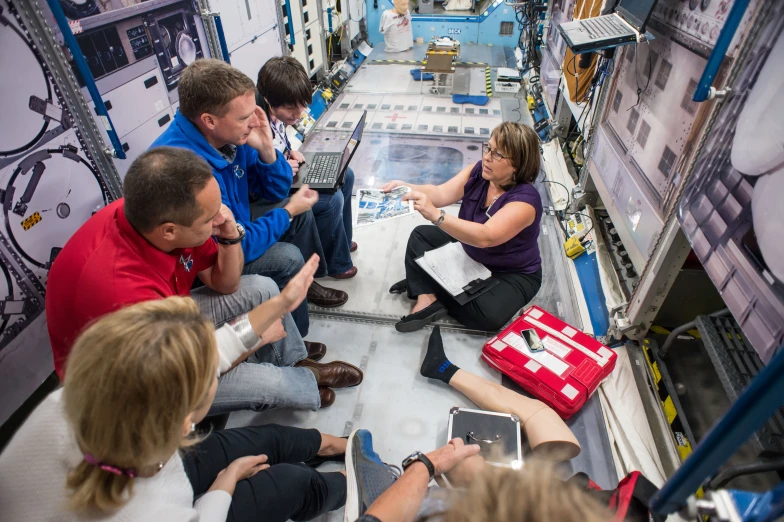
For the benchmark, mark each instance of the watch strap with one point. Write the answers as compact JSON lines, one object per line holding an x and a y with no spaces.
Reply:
{"x":420,"y":457}
{"x":238,"y":239}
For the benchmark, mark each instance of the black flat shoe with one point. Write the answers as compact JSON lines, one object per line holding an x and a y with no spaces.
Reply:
{"x":422,"y":318}
{"x":400,"y":287}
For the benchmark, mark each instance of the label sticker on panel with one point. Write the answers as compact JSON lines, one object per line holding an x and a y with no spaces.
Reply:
{"x":31,"y":221}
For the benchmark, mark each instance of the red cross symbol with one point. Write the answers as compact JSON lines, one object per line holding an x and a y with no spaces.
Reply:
{"x":395,"y":117}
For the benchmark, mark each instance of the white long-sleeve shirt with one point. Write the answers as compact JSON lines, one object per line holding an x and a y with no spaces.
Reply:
{"x":35,"y":464}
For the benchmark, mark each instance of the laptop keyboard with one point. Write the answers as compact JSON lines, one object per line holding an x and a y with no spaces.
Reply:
{"x":323,"y":169}
{"x":604,"y":27}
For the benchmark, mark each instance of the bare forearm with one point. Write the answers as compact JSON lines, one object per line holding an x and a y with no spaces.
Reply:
{"x":467,"y":232}
{"x":400,"y":503}
{"x":433,"y":193}
{"x":267,"y":154}
{"x":227,"y":270}
{"x":226,"y":481}
{"x":266,"y":313}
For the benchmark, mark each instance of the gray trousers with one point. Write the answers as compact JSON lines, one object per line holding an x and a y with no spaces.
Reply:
{"x":267,"y":379}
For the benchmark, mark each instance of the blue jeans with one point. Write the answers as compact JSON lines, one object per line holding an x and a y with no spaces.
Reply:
{"x":335,"y":226}
{"x":267,"y":379}
{"x":280,"y":263}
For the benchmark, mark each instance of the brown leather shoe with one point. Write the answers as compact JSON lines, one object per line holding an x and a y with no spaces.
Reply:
{"x":327,"y":396}
{"x":348,"y":274}
{"x":337,"y":374}
{"x":326,"y":297}
{"x":354,"y":247}
{"x":316,"y":351}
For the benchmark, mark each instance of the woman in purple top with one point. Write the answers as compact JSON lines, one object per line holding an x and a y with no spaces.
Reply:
{"x":498,"y":226}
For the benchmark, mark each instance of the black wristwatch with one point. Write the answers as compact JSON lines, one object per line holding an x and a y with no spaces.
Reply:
{"x":240,"y":237}
{"x":421,"y":457}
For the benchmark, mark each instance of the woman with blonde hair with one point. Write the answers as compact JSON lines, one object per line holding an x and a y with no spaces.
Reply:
{"x":497,"y":225}
{"x":117,"y":442}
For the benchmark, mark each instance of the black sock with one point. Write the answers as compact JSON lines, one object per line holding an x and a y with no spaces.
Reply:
{"x":436,"y":365}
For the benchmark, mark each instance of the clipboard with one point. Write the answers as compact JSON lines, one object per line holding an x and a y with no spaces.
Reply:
{"x":470,"y":292}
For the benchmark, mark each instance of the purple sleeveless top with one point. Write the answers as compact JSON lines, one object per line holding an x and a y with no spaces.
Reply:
{"x":521,"y":253}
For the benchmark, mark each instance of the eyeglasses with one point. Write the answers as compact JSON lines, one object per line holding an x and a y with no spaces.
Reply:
{"x":494,"y":154}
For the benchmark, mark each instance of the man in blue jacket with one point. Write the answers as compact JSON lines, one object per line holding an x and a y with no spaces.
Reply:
{"x":219,"y":120}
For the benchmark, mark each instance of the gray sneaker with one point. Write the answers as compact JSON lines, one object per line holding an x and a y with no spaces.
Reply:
{"x":367,"y":476}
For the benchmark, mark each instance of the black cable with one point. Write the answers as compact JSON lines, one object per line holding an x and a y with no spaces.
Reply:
{"x":568,"y":194}
{"x":584,"y":215}
{"x":636,"y":76}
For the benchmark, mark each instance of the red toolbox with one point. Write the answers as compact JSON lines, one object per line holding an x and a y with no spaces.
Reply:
{"x":557,"y":364}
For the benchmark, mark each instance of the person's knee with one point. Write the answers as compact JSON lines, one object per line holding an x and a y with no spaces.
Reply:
{"x":335,"y":204}
{"x":348,"y":179}
{"x":490,"y":319}
{"x":418,"y":234}
{"x":259,"y":287}
{"x":292,"y":256}
{"x":306,"y":220}
{"x":299,"y":479}
{"x":418,"y":238}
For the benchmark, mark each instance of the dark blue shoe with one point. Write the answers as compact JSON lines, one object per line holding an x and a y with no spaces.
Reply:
{"x":367,"y":476}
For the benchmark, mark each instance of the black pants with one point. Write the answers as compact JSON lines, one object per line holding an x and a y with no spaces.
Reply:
{"x":491,"y":310}
{"x":287,"y":490}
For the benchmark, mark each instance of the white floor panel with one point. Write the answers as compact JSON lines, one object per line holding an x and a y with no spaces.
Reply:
{"x":384,"y":79}
{"x":413,"y":158}
{"x":379,"y":260}
{"x":412,"y":114}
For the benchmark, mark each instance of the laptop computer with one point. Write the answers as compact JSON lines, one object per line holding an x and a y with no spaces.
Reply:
{"x":600,"y":32}
{"x":324,"y":171}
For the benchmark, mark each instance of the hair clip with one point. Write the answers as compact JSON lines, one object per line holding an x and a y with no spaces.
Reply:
{"x":128,"y":472}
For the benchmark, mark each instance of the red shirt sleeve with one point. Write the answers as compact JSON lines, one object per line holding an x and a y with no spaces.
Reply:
{"x":205,"y":256}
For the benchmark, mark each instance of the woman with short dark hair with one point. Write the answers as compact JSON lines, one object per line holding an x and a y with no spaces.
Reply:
{"x":498,"y":226}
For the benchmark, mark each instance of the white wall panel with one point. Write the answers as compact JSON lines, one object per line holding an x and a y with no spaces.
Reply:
{"x":250,"y":57}
{"x":244,"y":20}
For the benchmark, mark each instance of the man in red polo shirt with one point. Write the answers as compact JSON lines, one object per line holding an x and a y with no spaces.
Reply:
{"x":153,"y":244}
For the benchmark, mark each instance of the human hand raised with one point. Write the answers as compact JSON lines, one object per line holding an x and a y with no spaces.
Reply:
{"x":260,"y":138}
{"x":423,"y":205}
{"x":226,"y":227}
{"x":391,"y":185}
{"x":447,"y":457}
{"x":302,"y":201}
{"x":296,"y":290}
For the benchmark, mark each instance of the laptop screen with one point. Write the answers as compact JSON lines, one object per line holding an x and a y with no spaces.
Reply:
{"x":636,"y":12}
{"x":348,"y":151}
